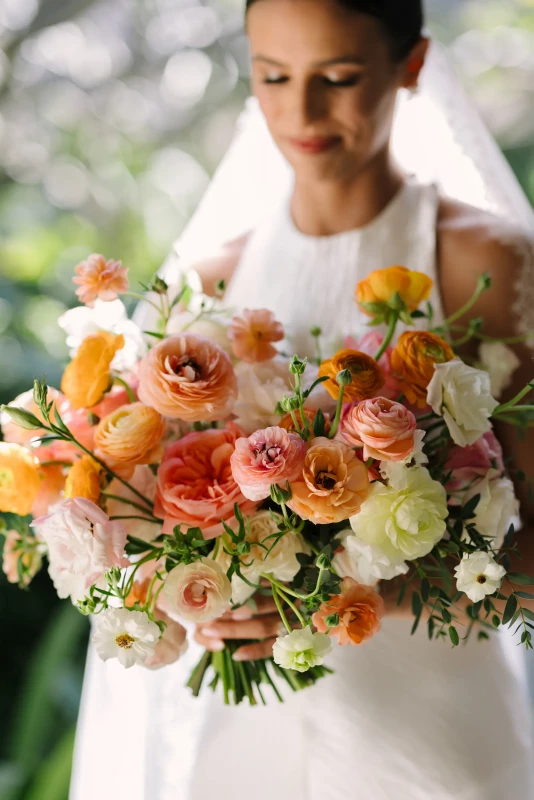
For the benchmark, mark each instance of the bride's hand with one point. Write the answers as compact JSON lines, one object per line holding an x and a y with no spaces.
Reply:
{"x":243,"y":623}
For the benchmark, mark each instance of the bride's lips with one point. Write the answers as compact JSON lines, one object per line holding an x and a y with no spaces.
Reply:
{"x":314,"y":144}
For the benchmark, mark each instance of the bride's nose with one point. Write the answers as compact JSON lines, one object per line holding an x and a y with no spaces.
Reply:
{"x":307,"y":105}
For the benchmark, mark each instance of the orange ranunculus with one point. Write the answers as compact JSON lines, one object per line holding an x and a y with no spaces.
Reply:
{"x":383,"y":284}
{"x":129,"y":436}
{"x":367,"y":376}
{"x":333,"y":486}
{"x":19,"y":479}
{"x":83,"y":479}
{"x":87,"y":376}
{"x":413,"y":360}
{"x":253,"y":333}
{"x":309,"y":415}
{"x":360,"y":609}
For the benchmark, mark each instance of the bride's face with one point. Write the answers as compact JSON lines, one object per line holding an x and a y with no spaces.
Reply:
{"x":326,"y":82}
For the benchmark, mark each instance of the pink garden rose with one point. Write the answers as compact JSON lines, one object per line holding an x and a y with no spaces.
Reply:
{"x":82,"y":544}
{"x":467,"y":464}
{"x":370,"y":344}
{"x":198,"y":592}
{"x":196,"y":487}
{"x":270,"y":456}
{"x":385,"y":429}
{"x":171,"y":646}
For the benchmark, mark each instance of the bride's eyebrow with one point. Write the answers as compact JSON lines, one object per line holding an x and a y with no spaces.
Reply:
{"x":329,"y":63}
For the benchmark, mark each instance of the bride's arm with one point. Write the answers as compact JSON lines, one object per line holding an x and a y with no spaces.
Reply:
{"x":221,"y":265}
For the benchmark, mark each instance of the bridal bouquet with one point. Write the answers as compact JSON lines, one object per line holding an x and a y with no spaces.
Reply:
{"x":181,"y":472}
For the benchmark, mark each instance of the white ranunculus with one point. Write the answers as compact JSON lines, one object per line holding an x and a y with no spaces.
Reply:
{"x":462,"y":396}
{"x":127,"y":635}
{"x":497,"y":508}
{"x":500,"y":362}
{"x":212,"y":327}
{"x":301,"y":649}
{"x":479,"y":575}
{"x":363,"y":562}
{"x":198,"y":592}
{"x":260,"y":388}
{"x":406,"y":519}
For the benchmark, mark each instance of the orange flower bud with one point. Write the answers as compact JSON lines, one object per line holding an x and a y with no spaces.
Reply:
{"x":87,"y":376}
{"x":383,"y":284}
{"x":367,"y":376}
{"x":413,"y":361}
{"x":19,"y":479}
{"x":83,"y":479}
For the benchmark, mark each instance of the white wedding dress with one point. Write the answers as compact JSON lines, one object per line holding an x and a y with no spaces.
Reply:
{"x":402,"y":718}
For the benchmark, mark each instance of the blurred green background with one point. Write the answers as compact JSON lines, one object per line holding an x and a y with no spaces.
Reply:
{"x":113,"y":116}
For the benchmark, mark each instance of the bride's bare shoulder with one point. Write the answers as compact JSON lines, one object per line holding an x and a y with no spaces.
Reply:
{"x":221,"y":264}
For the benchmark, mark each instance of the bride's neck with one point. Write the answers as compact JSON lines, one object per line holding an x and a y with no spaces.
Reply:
{"x":327,"y":208}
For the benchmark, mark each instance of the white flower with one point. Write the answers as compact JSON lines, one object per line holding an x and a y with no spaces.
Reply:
{"x":478,"y":575}
{"x":145,"y":482}
{"x":301,"y":649}
{"x":127,"y":635}
{"x":260,"y":388}
{"x":212,"y":327}
{"x":363,"y":562}
{"x":462,"y":396}
{"x":406,"y":519}
{"x":497,"y":508}
{"x":500,"y":362}
{"x":81,"y":321}
{"x":199,"y":592}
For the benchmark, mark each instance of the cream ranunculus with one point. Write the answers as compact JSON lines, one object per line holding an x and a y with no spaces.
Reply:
{"x":479,"y":575}
{"x":462,"y":396}
{"x":199,"y":592}
{"x":497,"y":508}
{"x":500,"y":362}
{"x":260,"y":387}
{"x":127,"y":635}
{"x":301,"y":649}
{"x":212,"y":327}
{"x":363,"y":562}
{"x":406,"y":519}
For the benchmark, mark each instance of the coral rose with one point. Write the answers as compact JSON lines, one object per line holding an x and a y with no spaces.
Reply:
{"x":360,"y":609}
{"x":129,"y":436}
{"x":196,"y":487}
{"x":414,"y":359}
{"x":268,"y":457}
{"x":385,"y":429}
{"x":15,"y":552}
{"x":52,"y":481}
{"x":367,"y":376}
{"x":252,"y":335}
{"x":381,"y":286}
{"x":87,"y":377}
{"x":83,"y":479}
{"x":97,"y":277}
{"x":19,"y":479}
{"x":333,"y":486}
{"x":188,"y":377}
{"x":199,"y":592}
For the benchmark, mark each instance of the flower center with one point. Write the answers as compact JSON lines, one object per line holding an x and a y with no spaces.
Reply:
{"x":185,"y":367}
{"x":267,"y":453}
{"x":125,"y":641}
{"x":325,"y":480}
{"x":6,"y":478}
{"x":481,"y":579}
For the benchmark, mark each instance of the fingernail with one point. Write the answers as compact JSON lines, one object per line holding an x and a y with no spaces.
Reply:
{"x":218,"y":645}
{"x":242,"y":613}
{"x":237,"y":656}
{"x":210,"y":632}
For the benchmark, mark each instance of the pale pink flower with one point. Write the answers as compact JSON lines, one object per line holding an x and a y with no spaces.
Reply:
{"x":370,"y":344}
{"x":385,"y":429}
{"x":252,"y":335}
{"x":98,"y":278}
{"x":270,"y":456}
{"x":12,"y":555}
{"x":171,"y":646}
{"x":467,"y":464}
{"x":199,"y":592}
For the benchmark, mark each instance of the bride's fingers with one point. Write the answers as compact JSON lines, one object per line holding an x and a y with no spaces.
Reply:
{"x":264,"y":605}
{"x":208,"y":642}
{"x":260,"y":627}
{"x":255,"y":652}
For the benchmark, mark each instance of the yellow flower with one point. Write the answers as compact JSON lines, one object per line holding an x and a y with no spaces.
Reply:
{"x":414,"y":359}
{"x":381,"y":286}
{"x":129,"y":436}
{"x":83,"y":479}
{"x":367,"y":377}
{"x":19,"y":479}
{"x":87,"y":376}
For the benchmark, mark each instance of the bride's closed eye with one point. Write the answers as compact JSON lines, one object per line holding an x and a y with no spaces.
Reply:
{"x":353,"y":80}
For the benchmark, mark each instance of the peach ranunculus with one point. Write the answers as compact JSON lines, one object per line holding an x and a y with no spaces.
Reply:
{"x":253,"y":333}
{"x":87,"y":377}
{"x":188,"y":377}
{"x":371,"y":344}
{"x":381,"y":286}
{"x":98,"y":278}
{"x":271,"y":456}
{"x":19,"y":479}
{"x":385,"y":429}
{"x":334,"y":483}
{"x":130,"y":436}
{"x":171,"y":646}
{"x":310,"y":414}
{"x":360,"y":610}
{"x":196,"y":487}
{"x":52,"y":482}
{"x":198,"y":592}
{"x":367,"y":376}
{"x":31,"y":559}
{"x":83,"y":479}
{"x":15,"y":433}
{"x":414,"y":359}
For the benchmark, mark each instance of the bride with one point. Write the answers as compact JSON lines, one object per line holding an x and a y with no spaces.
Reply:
{"x":403,"y":718}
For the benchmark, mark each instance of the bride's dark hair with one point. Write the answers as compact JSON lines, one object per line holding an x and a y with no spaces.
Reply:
{"x":403,"y":20}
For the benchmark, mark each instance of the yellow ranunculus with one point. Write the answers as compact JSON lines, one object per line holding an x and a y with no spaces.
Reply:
{"x":19,"y":479}
{"x":83,"y":479}
{"x":382,"y":285}
{"x":87,"y":376}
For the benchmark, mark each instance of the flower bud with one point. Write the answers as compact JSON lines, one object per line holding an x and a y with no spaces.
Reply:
{"x":344,"y":378}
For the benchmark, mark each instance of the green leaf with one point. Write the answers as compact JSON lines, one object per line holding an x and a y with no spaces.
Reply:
{"x":402,"y":594}
{"x":468,"y":511}
{"x":24,"y":419}
{"x":496,"y":621}
{"x":520,"y":578}
{"x":417,"y":606}
{"x":425,"y":590}
{"x":482,"y":636}
{"x":454,"y":637}
{"x":525,"y":595}
{"x":447,"y":616}
{"x":528,"y":614}
{"x":319,"y":424}
{"x":418,"y":314}
{"x":154,"y":334}
{"x":510,"y":609}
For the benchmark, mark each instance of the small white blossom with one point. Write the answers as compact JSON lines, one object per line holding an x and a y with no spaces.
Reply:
{"x":301,"y":649}
{"x":127,"y":635}
{"x":478,"y":575}
{"x":500,"y":362}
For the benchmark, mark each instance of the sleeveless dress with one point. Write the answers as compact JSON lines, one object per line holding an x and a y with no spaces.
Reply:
{"x":402,"y":718}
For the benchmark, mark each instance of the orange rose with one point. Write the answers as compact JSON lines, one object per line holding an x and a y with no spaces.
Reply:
{"x":19,"y":479}
{"x":83,"y":479}
{"x":87,"y":376}
{"x":360,"y":609}
{"x":381,"y":286}
{"x":413,"y":361}
{"x":367,"y":376}
{"x":334,"y":483}
{"x":129,"y":436}
{"x":309,"y":415}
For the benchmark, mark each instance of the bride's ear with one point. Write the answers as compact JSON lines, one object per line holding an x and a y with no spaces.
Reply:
{"x":414,"y":64}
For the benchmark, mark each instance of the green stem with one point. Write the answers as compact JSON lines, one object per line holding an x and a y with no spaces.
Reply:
{"x":517,"y":399}
{"x":280,"y":609}
{"x":143,"y":519}
{"x":339,"y":409}
{"x":127,"y":502}
{"x":392,"y":326}
{"x":129,"y":391}
{"x":481,"y":288}
{"x":519,"y":408}
{"x":293,"y":607}
{"x":143,"y":298}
